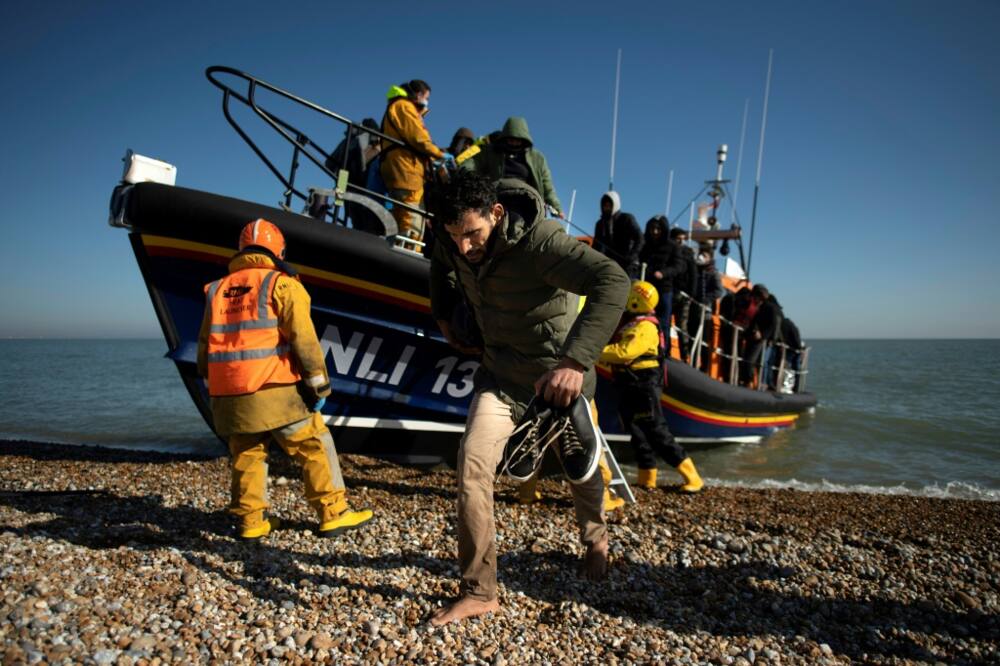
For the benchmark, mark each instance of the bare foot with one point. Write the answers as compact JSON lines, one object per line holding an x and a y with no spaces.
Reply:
{"x":595,"y":562}
{"x":463,"y":608}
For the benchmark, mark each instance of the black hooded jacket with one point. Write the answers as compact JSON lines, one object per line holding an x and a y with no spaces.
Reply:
{"x":663,"y":255}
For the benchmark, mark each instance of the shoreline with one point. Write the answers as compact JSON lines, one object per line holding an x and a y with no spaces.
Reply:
{"x":118,"y":556}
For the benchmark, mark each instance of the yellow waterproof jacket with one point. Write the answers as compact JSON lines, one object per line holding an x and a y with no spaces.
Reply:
{"x":273,"y":406}
{"x":404,"y":168}
{"x":635,"y":346}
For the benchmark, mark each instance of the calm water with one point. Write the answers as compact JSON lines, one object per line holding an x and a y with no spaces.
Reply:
{"x":909,"y":416}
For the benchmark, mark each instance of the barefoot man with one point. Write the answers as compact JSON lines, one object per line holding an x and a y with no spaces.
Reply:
{"x":517,"y":272}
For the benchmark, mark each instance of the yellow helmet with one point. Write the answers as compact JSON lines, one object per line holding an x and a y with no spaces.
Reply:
{"x":642,"y":298}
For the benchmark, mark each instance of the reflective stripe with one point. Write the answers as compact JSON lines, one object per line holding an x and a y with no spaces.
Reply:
{"x":212,"y":288}
{"x":316,"y":380}
{"x":264,"y":295}
{"x":250,"y":324}
{"x":248,"y":354}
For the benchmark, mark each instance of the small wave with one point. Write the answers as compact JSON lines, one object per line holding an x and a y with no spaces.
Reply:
{"x":950,"y":490}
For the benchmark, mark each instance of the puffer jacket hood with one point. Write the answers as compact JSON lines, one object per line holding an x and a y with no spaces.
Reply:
{"x":616,"y":201}
{"x":524,"y":208}
{"x":516,"y":127}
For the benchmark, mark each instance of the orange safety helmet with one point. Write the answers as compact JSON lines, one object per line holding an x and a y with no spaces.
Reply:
{"x":263,"y":234}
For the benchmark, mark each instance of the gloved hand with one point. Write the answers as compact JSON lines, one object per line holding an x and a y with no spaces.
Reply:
{"x":448,"y":157}
{"x":318,"y":407}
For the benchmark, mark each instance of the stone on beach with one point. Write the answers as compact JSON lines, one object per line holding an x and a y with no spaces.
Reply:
{"x":130,"y":557}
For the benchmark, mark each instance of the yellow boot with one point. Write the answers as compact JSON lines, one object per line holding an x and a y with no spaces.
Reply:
{"x":348,"y":520}
{"x":612,"y":502}
{"x":647,"y":478}
{"x":692,"y":480}
{"x":527,"y":492}
{"x":260,"y":529}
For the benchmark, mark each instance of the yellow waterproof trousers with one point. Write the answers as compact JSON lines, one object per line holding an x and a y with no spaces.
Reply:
{"x":411,"y":225}
{"x":309,"y":443}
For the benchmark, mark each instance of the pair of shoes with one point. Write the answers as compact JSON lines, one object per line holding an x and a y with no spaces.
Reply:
{"x":570,"y":429}
{"x":258,"y":532}
{"x":348,"y":520}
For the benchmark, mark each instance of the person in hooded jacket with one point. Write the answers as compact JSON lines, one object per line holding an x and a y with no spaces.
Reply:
{"x":356,"y":158}
{"x":267,"y":380}
{"x":617,"y":234}
{"x":684,"y":285}
{"x":518,"y":273}
{"x":664,"y":262}
{"x":512,"y":154}
{"x":404,"y":168}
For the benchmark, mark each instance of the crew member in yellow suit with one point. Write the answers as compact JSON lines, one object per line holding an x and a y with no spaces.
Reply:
{"x":636,"y":354}
{"x":267,"y":380}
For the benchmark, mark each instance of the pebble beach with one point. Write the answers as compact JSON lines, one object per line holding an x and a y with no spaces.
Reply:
{"x":123,"y":557}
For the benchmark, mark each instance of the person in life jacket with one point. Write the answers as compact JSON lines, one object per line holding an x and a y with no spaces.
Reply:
{"x":636,"y":356}
{"x":267,"y":380}
{"x":404,"y":168}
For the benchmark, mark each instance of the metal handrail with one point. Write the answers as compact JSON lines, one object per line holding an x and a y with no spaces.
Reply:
{"x":735,"y":359}
{"x":302,"y":144}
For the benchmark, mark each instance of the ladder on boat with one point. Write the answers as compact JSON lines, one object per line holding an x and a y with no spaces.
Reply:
{"x":618,"y":483}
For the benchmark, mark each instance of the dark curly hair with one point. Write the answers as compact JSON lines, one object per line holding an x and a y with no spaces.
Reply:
{"x":463,"y":192}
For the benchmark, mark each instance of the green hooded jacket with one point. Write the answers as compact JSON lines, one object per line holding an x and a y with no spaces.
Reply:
{"x":524,"y":297}
{"x":489,"y":161}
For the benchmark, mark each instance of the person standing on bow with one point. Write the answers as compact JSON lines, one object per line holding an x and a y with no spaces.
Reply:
{"x":518,"y":271}
{"x":636,"y":356}
{"x":512,"y":154}
{"x":664,"y":262}
{"x":405,"y":168}
{"x":267,"y":380}
{"x":617,"y":234}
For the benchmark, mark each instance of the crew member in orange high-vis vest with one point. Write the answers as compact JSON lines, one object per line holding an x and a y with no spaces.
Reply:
{"x":636,"y":355}
{"x":267,"y":380}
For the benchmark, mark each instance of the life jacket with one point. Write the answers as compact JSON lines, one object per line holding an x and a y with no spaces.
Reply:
{"x":661,"y":348}
{"x":245,"y":347}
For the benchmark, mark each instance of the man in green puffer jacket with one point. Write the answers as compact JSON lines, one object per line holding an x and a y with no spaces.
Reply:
{"x":512,"y":154}
{"x":519,"y":274}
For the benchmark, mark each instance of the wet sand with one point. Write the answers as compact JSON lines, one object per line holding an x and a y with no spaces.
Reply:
{"x":117,"y":557}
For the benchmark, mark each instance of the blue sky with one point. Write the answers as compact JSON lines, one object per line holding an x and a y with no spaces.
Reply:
{"x":876,"y":215}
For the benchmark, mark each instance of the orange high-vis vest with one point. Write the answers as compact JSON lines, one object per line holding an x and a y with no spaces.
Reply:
{"x":245,"y":347}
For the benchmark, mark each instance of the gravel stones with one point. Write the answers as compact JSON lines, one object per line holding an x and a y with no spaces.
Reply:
{"x":130,"y":558}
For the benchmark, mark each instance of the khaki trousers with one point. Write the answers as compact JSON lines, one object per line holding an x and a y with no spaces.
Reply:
{"x":308,"y":442}
{"x":486,"y":432}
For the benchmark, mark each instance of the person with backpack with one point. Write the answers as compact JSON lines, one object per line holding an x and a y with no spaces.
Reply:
{"x":405,"y":168}
{"x":636,"y":356}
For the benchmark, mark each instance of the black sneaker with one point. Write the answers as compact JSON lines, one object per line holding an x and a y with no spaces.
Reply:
{"x":579,"y":444}
{"x":526,"y":446}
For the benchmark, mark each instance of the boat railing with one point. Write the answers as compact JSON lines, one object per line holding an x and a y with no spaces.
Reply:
{"x":791,"y":369}
{"x":304,"y":146}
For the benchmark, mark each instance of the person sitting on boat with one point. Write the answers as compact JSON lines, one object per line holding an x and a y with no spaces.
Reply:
{"x":617,"y":234}
{"x":356,"y":158}
{"x":518,"y":271}
{"x":664,"y":262}
{"x":684,"y":285}
{"x":267,"y":380}
{"x":707,"y":290}
{"x":765,"y":329}
{"x":792,"y":339}
{"x":636,"y":355}
{"x":512,"y":154}
{"x":462,"y":140}
{"x":405,"y":168}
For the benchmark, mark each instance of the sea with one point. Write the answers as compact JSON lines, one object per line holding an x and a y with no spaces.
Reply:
{"x":917,"y":417}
